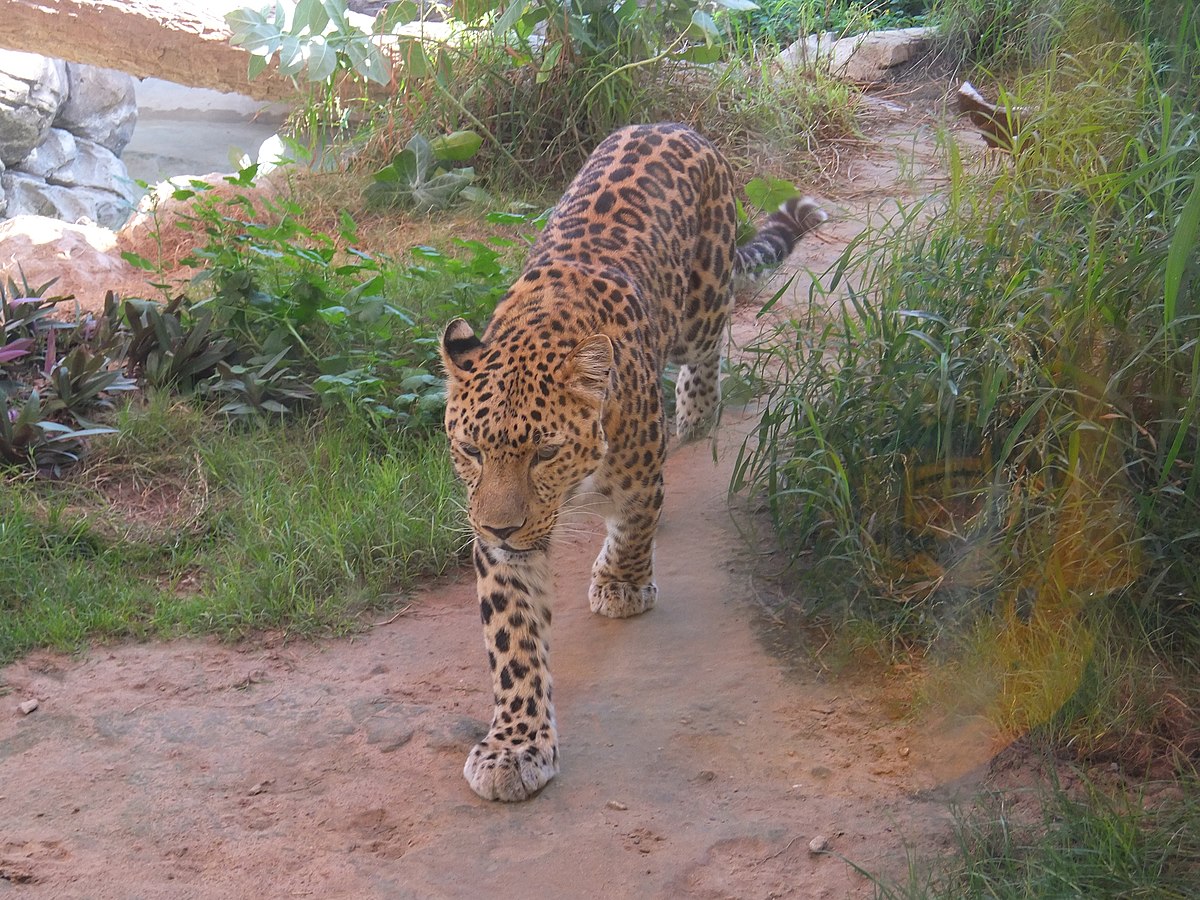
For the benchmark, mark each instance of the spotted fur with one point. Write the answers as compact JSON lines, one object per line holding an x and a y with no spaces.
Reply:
{"x":633,"y":271}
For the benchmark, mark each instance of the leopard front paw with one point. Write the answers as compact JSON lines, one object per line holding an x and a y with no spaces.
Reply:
{"x":620,"y":599}
{"x":496,"y":770}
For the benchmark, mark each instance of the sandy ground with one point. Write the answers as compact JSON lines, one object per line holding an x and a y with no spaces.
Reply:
{"x":694,"y":762}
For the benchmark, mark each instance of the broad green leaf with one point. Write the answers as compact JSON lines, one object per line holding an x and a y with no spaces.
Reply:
{"x":475,"y":194}
{"x":291,"y":55}
{"x":310,"y":15}
{"x":244,"y":177}
{"x":509,"y":17}
{"x":532,"y":17}
{"x":445,"y":71}
{"x":432,"y":402}
{"x":626,"y":10}
{"x":257,"y":65}
{"x":336,"y":9}
{"x":322,"y":60}
{"x":549,"y":61}
{"x":261,"y":39}
{"x":422,"y":156}
{"x":457,"y":146}
{"x":243,"y":20}
{"x":581,"y":34}
{"x":414,"y":60}
{"x":367,"y":60}
{"x":136,"y":259}
{"x":768,"y":193}
{"x":334,"y":315}
{"x":703,"y":26}
{"x":396,"y":15}
{"x":439,"y":192}
{"x":700,"y":53}
{"x":413,"y":383}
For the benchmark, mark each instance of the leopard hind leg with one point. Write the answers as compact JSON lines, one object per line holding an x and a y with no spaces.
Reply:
{"x":697,"y":398}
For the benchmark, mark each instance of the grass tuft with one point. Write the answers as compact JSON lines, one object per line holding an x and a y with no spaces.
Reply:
{"x":180,"y":525}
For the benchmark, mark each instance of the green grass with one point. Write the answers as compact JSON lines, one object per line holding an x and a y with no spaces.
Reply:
{"x":183,"y":525}
{"x":1087,"y":841}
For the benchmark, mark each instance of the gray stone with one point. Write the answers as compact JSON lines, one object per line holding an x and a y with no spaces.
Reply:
{"x":32,"y":90}
{"x":101,"y":106}
{"x":28,"y":195}
{"x":53,"y":154}
{"x":94,"y":166}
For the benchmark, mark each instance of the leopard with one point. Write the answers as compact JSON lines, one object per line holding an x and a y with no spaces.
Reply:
{"x":633,"y":270}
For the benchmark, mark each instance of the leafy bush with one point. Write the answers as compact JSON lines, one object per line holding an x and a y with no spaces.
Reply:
{"x":260,"y":386}
{"x":35,"y":432}
{"x":281,"y":312}
{"x":416,"y":179}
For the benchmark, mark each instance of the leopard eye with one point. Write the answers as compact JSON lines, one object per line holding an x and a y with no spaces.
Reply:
{"x":547,"y":451}
{"x":470,"y":450}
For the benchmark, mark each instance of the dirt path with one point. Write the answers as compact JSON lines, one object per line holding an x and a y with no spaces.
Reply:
{"x":695,"y":764}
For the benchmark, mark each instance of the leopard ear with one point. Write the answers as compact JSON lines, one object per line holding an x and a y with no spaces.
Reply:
{"x":458,"y":342}
{"x":588,"y":368}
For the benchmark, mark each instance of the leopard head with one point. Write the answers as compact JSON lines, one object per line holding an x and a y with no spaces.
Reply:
{"x":524,"y":416}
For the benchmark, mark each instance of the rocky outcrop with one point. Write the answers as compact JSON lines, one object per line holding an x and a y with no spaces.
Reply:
{"x":62,"y":129}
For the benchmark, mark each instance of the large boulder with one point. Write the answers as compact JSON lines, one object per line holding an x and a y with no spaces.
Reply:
{"x":32,"y":91}
{"x":101,"y":106}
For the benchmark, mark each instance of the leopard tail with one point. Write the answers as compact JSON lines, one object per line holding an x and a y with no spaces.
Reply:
{"x":778,"y":235}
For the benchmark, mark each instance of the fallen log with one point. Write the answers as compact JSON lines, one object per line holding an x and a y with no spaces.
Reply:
{"x":176,"y":40}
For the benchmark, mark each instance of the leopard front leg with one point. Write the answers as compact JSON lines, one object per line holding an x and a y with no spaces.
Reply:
{"x":520,"y":753}
{"x":623,"y":574}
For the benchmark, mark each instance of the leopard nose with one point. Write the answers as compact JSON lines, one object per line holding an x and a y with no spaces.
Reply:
{"x":505,"y":532}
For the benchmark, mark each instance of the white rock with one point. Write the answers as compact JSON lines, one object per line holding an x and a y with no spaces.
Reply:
{"x":28,"y":706}
{"x":862,"y":57}
{"x":819,"y":844}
